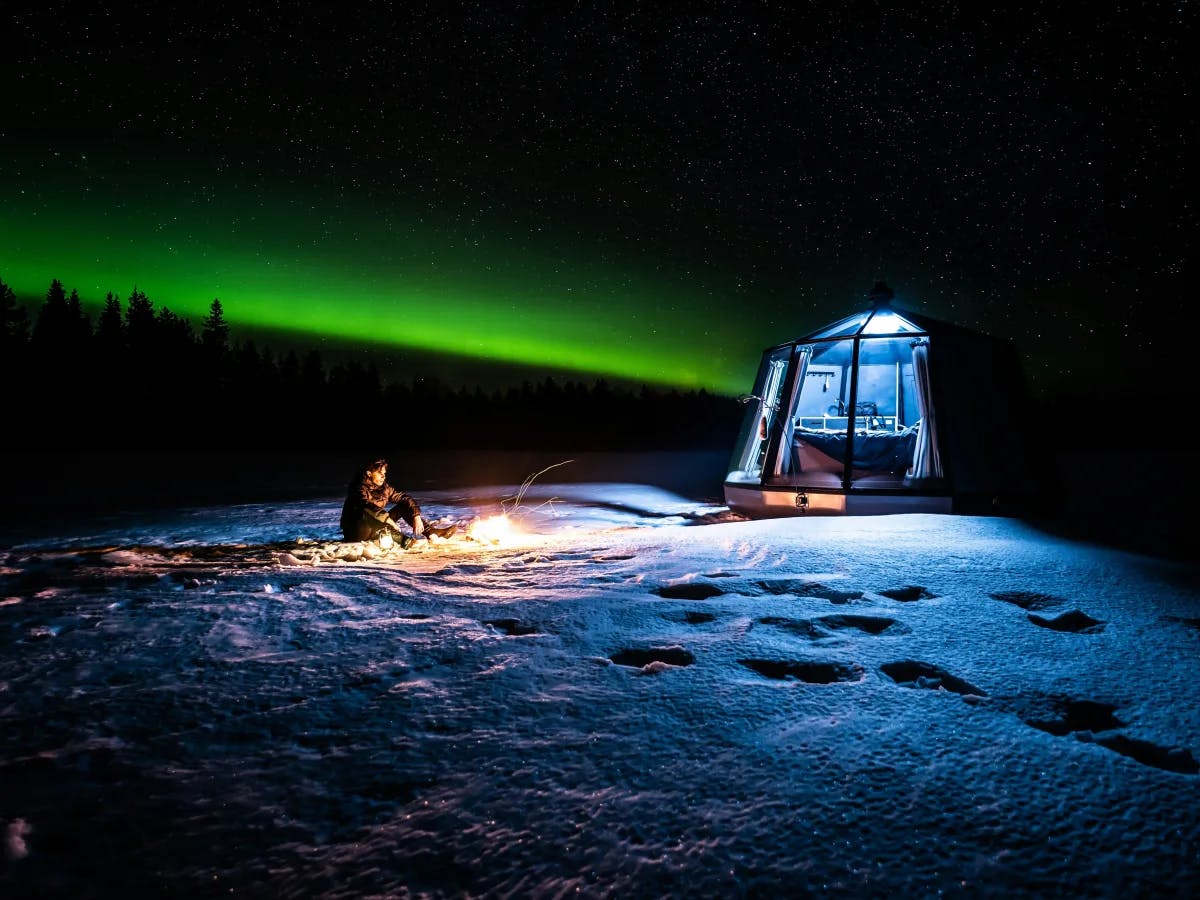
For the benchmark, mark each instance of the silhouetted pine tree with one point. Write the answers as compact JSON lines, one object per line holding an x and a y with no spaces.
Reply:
{"x":51,"y":326}
{"x":14,"y":320}
{"x":289,"y":373}
{"x":215,"y":335}
{"x":173,"y":332}
{"x":174,"y":387}
{"x":111,"y":410}
{"x":215,"y":389}
{"x":139,"y":321}
{"x":78,"y":325}
{"x":110,"y":331}
{"x":356,"y":391}
{"x":140,"y":384}
{"x":56,"y":358}
{"x":425,"y":412}
{"x":14,"y":323}
{"x":174,"y":366}
{"x":291,"y":402}
{"x":14,"y":352}
{"x":313,"y":384}
{"x":246,"y":380}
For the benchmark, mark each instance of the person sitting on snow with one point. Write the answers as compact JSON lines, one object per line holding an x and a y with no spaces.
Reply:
{"x":366,"y":515}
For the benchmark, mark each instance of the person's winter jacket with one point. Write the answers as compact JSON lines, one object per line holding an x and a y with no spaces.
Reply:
{"x":367,"y":507}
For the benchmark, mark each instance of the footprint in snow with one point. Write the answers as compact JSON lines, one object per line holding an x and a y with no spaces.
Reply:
{"x":1075,"y":621}
{"x":655,"y":659}
{"x":808,"y":671}
{"x":1094,"y":722}
{"x":908,"y":594}
{"x":693,"y":590}
{"x":1028,"y":600}
{"x":796,"y":588}
{"x":512,"y":627}
{"x":913,"y":673}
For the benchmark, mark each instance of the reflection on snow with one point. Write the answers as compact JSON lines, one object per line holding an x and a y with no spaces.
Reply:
{"x":642,"y":697}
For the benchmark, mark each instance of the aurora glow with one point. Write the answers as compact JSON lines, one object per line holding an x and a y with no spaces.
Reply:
{"x":318,"y":262}
{"x":607,"y":190}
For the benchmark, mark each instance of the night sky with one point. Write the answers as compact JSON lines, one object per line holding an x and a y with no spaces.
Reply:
{"x":623,"y":190}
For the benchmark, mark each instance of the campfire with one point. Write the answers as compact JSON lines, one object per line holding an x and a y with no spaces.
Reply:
{"x":495,"y":530}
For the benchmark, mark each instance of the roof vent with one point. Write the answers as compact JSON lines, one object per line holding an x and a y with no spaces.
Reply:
{"x":881,"y":294}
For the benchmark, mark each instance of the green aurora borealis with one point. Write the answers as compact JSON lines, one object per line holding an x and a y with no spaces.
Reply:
{"x":483,"y":193}
{"x":347,"y":264}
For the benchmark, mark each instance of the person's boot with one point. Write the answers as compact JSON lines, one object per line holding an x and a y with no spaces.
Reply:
{"x":443,"y":532}
{"x":400,"y":539}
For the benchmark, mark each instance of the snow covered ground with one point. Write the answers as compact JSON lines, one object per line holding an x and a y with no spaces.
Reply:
{"x":636,"y":695}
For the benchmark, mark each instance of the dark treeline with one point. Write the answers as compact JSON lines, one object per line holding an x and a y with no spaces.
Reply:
{"x":141,"y":376}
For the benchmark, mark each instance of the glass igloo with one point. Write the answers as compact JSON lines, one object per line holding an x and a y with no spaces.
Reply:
{"x":865,"y":417}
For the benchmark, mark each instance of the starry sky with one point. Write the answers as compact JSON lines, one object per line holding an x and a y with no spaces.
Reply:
{"x":637,"y":191}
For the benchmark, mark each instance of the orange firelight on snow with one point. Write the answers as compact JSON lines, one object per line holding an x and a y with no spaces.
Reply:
{"x":493,"y":530}
{"x":501,"y":529}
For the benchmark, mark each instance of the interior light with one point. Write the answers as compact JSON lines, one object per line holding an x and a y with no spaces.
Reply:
{"x":883,"y":322}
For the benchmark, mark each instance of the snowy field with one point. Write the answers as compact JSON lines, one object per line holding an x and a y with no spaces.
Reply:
{"x":630,"y":694}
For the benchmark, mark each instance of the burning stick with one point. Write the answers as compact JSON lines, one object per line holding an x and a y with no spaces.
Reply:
{"x":502,"y":529}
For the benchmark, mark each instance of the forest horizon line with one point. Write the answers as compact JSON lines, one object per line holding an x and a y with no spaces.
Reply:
{"x":154,"y":379}
{"x":162,"y":380}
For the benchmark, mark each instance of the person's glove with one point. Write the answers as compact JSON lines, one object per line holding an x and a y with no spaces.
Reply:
{"x":418,"y":526}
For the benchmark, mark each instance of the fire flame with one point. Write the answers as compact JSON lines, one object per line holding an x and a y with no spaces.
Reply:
{"x":493,"y":530}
